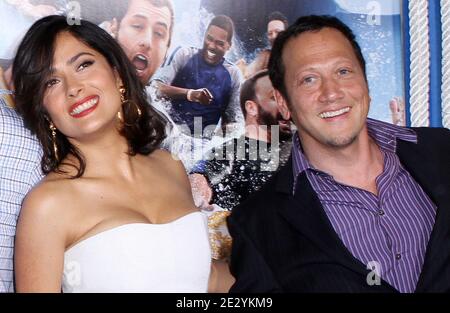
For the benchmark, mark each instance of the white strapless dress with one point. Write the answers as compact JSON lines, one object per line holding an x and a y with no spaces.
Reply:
{"x":140,"y":257}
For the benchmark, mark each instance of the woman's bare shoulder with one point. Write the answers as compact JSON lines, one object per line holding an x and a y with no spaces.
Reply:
{"x":172,"y":179}
{"x":51,"y":198}
{"x":168,"y":162}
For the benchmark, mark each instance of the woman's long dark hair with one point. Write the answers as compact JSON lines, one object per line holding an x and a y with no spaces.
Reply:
{"x":31,"y":69}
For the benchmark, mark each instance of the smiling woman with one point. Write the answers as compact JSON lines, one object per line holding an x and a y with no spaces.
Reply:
{"x":36,"y":63}
{"x":79,"y":93}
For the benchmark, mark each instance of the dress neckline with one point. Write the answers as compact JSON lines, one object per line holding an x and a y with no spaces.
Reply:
{"x":139,"y":224}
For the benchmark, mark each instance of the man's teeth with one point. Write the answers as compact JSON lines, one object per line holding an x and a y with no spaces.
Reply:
{"x":334,"y":113}
{"x":211,"y":54}
{"x":85,"y":106}
{"x":141,"y":57}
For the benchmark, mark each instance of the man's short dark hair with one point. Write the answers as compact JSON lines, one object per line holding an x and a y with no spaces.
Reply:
{"x":224,"y":22}
{"x":278,"y":16}
{"x":311,"y":23}
{"x":248,"y":89}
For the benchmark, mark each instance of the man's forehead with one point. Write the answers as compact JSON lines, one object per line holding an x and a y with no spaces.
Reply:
{"x":263,"y":84}
{"x":275,"y":24}
{"x":145,"y":8}
{"x":217,"y":33}
{"x":318,"y":41}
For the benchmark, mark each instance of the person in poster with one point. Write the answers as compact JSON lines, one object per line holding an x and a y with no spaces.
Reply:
{"x":144,"y":30}
{"x":202,"y":85}
{"x":276,"y":23}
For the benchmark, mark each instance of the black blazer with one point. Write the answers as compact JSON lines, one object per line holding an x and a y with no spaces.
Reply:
{"x":286,"y":243}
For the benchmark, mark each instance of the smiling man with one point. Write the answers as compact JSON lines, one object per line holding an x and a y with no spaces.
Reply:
{"x":362,"y":206}
{"x":201,"y":84}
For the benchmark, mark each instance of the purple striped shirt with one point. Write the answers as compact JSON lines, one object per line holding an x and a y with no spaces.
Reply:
{"x":392,"y":228}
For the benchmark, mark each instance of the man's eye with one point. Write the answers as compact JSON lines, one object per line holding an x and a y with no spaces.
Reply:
{"x":344,"y":71}
{"x":308,"y":80}
{"x":137,"y":26}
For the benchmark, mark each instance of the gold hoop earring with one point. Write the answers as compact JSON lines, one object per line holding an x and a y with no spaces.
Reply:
{"x":55,"y":146}
{"x":119,"y":117}
{"x":122,"y":91}
{"x":124,"y":101}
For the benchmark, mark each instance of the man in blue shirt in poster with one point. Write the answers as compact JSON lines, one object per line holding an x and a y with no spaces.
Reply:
{"x":201,"y":84}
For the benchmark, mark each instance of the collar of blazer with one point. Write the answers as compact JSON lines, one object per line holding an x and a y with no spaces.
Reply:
{"x":428,"y":163}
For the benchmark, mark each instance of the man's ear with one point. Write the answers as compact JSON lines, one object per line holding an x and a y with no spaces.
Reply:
{"x":282,"y":105}
{"x":251,"y":108}
{"x":228,"y":46}
{"x":115,"y":28}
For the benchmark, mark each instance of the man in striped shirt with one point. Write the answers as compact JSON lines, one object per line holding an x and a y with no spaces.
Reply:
{"x":363,"y":206}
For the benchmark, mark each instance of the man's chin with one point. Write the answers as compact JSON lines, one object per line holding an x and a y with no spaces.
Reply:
{"x":211,"y":62}
{"x":143,"y":77}
{"x":341,"y":141}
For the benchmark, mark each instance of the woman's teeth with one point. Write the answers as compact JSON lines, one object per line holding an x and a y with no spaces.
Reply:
{"x":85,"y":106}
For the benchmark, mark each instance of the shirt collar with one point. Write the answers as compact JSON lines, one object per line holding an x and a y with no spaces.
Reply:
{"x":384,"y":134}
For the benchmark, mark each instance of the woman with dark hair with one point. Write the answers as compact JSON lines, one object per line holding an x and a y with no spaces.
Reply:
{"x":114,"y":213}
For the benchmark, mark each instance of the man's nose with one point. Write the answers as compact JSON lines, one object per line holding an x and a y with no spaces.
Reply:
{"x":210,"y":44}
{"x":330,"y":90}
{"x":145,"y":39}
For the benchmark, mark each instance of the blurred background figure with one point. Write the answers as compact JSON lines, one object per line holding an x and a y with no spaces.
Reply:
{"x":276,"y":23}
{"x":397,"y":108}
{"x":5,"y":89}
{"x":233,"y":171}
{"x":15,"y":18}
{"x":34,"y":9}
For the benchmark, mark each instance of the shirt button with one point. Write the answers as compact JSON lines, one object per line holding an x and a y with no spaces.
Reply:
{"x":398,"y":256}
{"x":381,"y":212}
